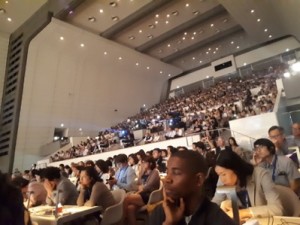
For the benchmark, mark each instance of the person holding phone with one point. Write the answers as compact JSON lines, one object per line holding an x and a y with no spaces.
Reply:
{"x":184,"y":198}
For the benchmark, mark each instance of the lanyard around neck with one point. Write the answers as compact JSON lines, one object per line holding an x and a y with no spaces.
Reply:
{"x":274,"y":168}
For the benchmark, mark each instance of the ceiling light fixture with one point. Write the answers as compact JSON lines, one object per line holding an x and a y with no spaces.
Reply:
{"x":207,"y":76}
{"x":196,"y":12}
{"x":266,"y":30}
{"x":82,"y":45}
{"x":150,"y":36}
{"x":185,"y":33}
{"x":148,"y":68}
{"x":137,"y":64}
{"x":183,"y":38}
{"x":175,"y":13}
{"x":92,"y":19}
{"x":6,"y":2}
{"x":207,"y":53}
{"x":201,"y":31}
{"x":151,"y":26}
{"x":71,"y":12}
{"x":156,"y":15}
{"x":258,"y":20}
{"x":209,"y":49}
{"x":131,"y":37}
{"x":101,"y":11}
{"x":140,"y":31}
{"x":9,"y":19}
{"x":187,"y":5}
{"x":225,"y":20}
{"x":217,"y":30}
{"x":192,"y":38}
{"x":2,"y":11}
{"x":115,"y":18}
{"x":194,"y":33}
{"x":286,"y":74}
{"x":211,"y":25}
{"x":200,"y":61}
{"x":252,"y":11}
{"x":214,"y":52}
{"x":167,"y":21}
{"x":287,"y":49}
{"x":105,"y":53}
{"x":61,"y":38}
{"x":270,"y":36}
{"x":245,"y":64}
{"x":217,"y":49}
{"x":168,"y":15}
{"x":156,"y":22}
{"x":160,"y":72}
{"x":169,"y":74}
{"x":113,"y":4}
{"x":120,"y":58}
{"x":237,"y":47}
{"x":169,"y":45}
{"x":193,"y":58}
{"x":232,"y":42}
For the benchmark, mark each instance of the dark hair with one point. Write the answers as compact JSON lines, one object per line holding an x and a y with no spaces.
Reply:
{"x":20,"y":182}
{"x":165,"y":151}
{"x":51,"y":173}
{"x":234,"y":141}
{"x":194,"y":161}
{"x":267,"y":143}
{"x":281,"y":130}
{"x":92,"y":173}
{"x":230,"y":160}
{"x":200,"y":145}
{"x":102,"y":165}
{"x":134,"y":157}
{"x":90,"y":162}
{"x":172,"y":149}
{"x":151,"y":161}
{"x":109,"y":163}
{"x":141,"y":153}
{"x":121,"y":158}
{"x":183,"y":147}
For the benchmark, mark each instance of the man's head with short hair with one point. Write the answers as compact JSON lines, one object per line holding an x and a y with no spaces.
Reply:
{"x":296,"y":130}
{"x":276,"y":134}
{"x":121,"y":158}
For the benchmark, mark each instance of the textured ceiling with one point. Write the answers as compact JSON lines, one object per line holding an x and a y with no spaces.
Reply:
{"x":188,"y":34}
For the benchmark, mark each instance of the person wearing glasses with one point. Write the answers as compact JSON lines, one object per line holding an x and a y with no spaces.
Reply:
{"x":282,"y":168}
{"x":276,"y":135}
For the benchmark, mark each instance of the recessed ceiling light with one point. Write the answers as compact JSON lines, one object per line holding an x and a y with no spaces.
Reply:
{"x":196,"y":12}
{"x":232,"y":42}
{"x":101,"y":11}
{"x":183,"y":38}
{"x":82,"y":45}
{"x":245,"y":64}
{"x":217,"y":49}
{"x":115,"y":18}
{"x":207,"y":76}
{"x":6,"y":2}
{"x":169,"y":74}
{"x":2,"y":11}
{"x":193,"y":38}
{"x":237,"y":47}
{"x":61,"y":38}
{"x":167,"y":21}
{"x":150,"y":36}
{"x":152,"y":26}
{"x":160,"y":72}
{"x":131,"y":37}
{"x":148,"y":68}
{"x":156,"y":22}
{"x":105,"y":53}
{"x":156,"y":15}
{"x":266,"y":30}
{"x":193,"y":58}
{"x":214,"y":52}
{"x":185,"y":33}
{"x":80,"y":129}
{"x":113,"y":4}
{"x":177,"y":87}
{"x":211,"y":25}
{"x":169,"y":45}
{"x":92,"y":19}
{"x":187,"y":5}
{"x":140,"y":31}
{"x":71,"y":12}
{"x":252,"y":11}
{"x":194,"y":33}
{"x":209,"y":49}
{"x":270,"y":36}
{"x":225,"y":20}
{"x":62,"y":125}
{"x":137,"y":64}
{"x":207,"y":53}
{"x":168,"y":15}
{"x":175,"y":13}
{"x":9,"y":19}
{"x":120,"y":58}
{"x":287,"y":49}
{"x":258,"y":20}
{"x":217,"y":30}
{"x":200,"y":61}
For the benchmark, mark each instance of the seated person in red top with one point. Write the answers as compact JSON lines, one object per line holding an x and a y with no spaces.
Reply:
{"x":148,"y":181}
{"x":184,"y":199}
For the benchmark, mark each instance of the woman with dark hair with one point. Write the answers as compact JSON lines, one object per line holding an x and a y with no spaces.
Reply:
{"x":133,"y":161}
{"x":255,"y":189}
{"x":148,"y":181}
{"x":93,"y":191}
{"x":235,"y":147}
{"x":103,"y":171}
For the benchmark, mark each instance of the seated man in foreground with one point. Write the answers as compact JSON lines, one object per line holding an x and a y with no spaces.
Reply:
{"x":184,"y":199}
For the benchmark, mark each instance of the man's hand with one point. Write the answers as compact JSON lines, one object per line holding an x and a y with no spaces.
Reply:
{"x":48,"y":187}
{"x":255,"y":159}
{"x":112,"y":182}
{"x":174,"y":213}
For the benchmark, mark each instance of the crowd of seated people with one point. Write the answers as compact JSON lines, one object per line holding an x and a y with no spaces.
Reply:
{"x":267,"y":183}
{"x":192,"y":113}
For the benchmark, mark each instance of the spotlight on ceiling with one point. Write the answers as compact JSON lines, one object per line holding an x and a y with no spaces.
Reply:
{"x":92,"y":19}
{"x":115,"y":18}
{"x":152,"y":26}
{"x":113,"y":4}
{"x":2,"y":11}
{"x":286,"y":74}
{"x":175,"y":13}
{"x":131,"y":37}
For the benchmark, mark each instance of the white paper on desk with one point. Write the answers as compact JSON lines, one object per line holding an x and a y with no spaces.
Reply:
{"x":251,"y":222}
